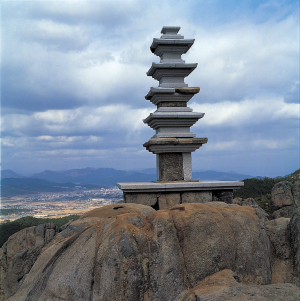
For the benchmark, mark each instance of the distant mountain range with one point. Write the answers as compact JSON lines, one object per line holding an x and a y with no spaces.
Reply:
{"x":210,"y":175}
{"x":55,"y":181}
{"x":110,"y":176}
{"x":92,"y":178}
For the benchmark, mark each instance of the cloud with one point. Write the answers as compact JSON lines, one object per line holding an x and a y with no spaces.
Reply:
{"x":107,"y":121}
{"x":74,"y":80}
{"x":259,"y":110}
{"x":245,"y":59}
{"x":54,"y":36}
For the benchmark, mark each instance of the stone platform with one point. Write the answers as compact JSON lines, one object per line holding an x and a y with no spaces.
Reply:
{"x":163,"y":195}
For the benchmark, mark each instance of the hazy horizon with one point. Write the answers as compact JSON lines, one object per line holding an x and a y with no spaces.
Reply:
{"x":74,"y":81}
{"x":143,"y":169}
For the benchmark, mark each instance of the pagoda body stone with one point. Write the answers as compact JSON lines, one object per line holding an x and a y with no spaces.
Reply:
{"x":173,"y":141}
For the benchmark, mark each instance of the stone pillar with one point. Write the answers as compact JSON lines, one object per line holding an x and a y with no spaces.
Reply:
{"x":187,"y":166}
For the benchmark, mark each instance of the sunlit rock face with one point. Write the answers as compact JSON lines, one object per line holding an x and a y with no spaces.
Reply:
{"x":130,"y":251}
{"x":189,"y":252}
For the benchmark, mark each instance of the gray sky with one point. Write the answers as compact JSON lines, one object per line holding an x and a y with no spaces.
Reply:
{"x":74,"y":80}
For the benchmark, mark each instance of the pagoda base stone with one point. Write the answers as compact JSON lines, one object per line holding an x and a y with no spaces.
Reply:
{"x":163,"y":195}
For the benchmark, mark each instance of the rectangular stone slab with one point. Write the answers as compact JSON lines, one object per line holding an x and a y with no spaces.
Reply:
{"x":179,"y":186}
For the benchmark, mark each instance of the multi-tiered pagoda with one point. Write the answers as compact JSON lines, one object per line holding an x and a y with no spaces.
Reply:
{"x":173,"y":141}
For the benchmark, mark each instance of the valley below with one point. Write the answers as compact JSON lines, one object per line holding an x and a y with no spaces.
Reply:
{"x":57,"y":204}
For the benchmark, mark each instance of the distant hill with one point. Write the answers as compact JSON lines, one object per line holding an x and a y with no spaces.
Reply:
{"x":100,"y":176}
{"x":18,"y":186}
{"x":211,"y":175}
{"x":55,"y":181}
{"x":49,"y":181}
{"x":110,"y":176}
{"x":295,"y":176}
{"x":208,"y":175}
{"x":7,"y":173}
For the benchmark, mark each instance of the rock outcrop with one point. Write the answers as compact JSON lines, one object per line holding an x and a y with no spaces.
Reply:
{"x":209,"y":251}
{"x":294,"y":238}
{"x":226,"y":285}
{"x":132,"y":252}
{"x":284,"y":199}
{"x":20,"y":252}
{"x":282,"y":257}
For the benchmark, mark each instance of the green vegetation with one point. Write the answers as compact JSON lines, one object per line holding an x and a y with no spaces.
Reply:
{"x":9,"y":228}
{"x":263,"y":201}
{"x":12,"y":211}
{"x":260,"y":189}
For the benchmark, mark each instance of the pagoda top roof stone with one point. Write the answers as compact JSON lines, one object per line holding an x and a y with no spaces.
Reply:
{"x":171,"y":32}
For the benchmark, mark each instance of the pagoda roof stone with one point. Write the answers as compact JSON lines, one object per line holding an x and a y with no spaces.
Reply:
{"x":159,"y":119}
{"x":159,"y":46}
{"x":176,"y":68}
{"x":174,"y":145}
{"x":161,"y":90}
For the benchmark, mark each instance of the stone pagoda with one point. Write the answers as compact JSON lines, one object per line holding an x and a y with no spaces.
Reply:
{"x":173,"y":141}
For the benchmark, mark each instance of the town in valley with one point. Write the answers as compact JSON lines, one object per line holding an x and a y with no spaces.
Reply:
{"x":58,"y":204}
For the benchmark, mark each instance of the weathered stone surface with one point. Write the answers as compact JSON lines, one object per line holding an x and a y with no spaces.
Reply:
{"x":170,"y":167}
{"x":281,"y":195}
{"x":225,"y":196}
{"x":237,"y":201}
{"x":196,"y":197}
{"x":19,"y":253}
{"x":249,"y":202}
{"x":225,"y":285}
{"x":187,"y":166}
{"x":286,"y":211}
{"x":296,"y":193}
{"x":188,"y":90}
{"x":294,"y":237}
{"x":117,"y":209}
{"x":148,"y":199}
{"x":277,"y":232}
{"x":168,"y":200}
{"x":173,"y":145}
{"x":285,"y":199}
{"x":252,"y":203}
{"x":171,"y":104}
{"x":119,"y":255}
{"x":223,"y":231}
{"x":282,"y":261}
{"x":168,"y":276}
